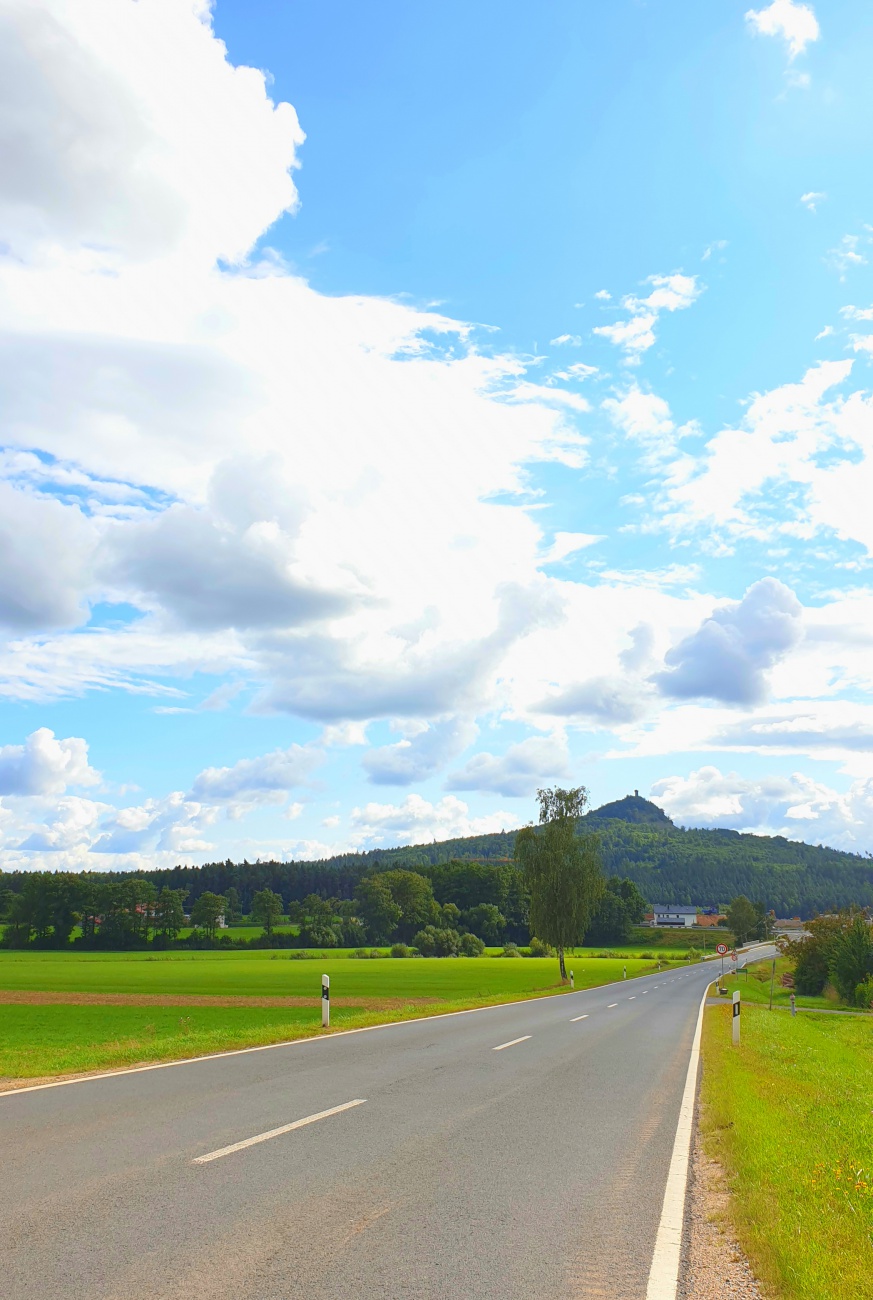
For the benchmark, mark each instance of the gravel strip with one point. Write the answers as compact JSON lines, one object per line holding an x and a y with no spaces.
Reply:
{"x":714,"y":1266}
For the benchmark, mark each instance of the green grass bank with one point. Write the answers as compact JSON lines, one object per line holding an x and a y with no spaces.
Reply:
{"x":789,"y":1115}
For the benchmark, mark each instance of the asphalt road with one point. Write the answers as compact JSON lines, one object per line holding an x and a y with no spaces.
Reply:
{"x":534,"y":1171}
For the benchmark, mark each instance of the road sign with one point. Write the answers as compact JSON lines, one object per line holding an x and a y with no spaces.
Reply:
{"x":721,"y":949}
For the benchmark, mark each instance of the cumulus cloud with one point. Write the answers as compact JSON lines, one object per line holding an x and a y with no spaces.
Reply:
{"x":812,"y":199}
{"x":794,"y":806}
{"x":848,"y":254}
{"x":44,"y":765}
{"x":46,"y":560}
{"x":795,"y":23}
{"x":636,"y":334}
{"x":416,"y":821}
{"x":566,"y":340}
{"x":727,"y":657}
{"x":93,"y":158}
{"x":418,"y":757}
{"x":266,"y":779}
{"x":602,"y":701}
{"x":518,"y":771}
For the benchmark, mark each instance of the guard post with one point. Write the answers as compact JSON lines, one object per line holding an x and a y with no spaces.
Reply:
{"x":325,"y":1001}
{"x":572,"y":985}
{"x":736,"y":1019}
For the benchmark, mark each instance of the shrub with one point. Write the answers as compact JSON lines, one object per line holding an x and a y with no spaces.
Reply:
{"x":367,"y":954}
{"x":510,"y":950}
{"x":435,"y":942}
{"x":401,"y":950}
{"x":647,"y":956}
{"x":538,"y":948}
{"x":471,"y":945}
{"x":864,"y":993}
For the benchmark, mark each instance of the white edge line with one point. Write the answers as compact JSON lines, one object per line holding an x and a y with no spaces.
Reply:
{"x":664,"y":1273}
{"x":300,"y":1042}
{"x":575,"y":1018}
{"x":276,"y":1132}
{"x":512,"y":1042}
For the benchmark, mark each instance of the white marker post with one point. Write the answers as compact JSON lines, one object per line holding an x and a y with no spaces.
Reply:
{"x":736,"y":1019}
{"x":325,"y":1002}
{"x":572,"y":985}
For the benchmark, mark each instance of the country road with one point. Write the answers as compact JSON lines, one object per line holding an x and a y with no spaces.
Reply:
{"x":517,"y":1151}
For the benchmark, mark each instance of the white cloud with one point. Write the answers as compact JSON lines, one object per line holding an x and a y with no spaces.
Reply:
{"x":795,"y":23}
{"x":46,"y":561}
{"x":728,"y":655}
{"x":641,"y":415}
{"x":266,"y":779}
{"x":416,"y":758}
{"x":518,"y":771}
{"x":566,"y":544}
{"x":824,"y":333}
{"x":717,"y":246}
{"x":599,"y":701}
{"x":416,"y":821}
{"x":603,"y":294}
{"x":566,"y":340}
{"x":812,"y":199}
{"x":636,"y":334}
{"x":794,"y":806}
{"x":847,"y":255}
{"x":44,"y":765}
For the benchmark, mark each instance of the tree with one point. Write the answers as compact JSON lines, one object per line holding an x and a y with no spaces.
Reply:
{"x":562,"y":870}
{"x":619,"y":910}
{"x":169,"y":914}
{"x":377,"y":909}
{"x":208,"y":911}
{"x":435,"y":941}
{"x":267,"y":910}
{"x":413,"y":894}
{"x":742,"y":918}
{"x":234,"y":907}
{"x":851,"y":957}
{"x":486,"y":920}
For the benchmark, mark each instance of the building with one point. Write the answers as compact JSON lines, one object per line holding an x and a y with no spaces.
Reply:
{"x":672,"y":915}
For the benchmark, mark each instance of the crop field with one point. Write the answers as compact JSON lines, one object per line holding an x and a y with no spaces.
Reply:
{"x":63,"y":1013}
{"x":788,"y":1116}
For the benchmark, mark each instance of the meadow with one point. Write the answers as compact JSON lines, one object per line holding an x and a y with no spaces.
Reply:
{"x":754,"y":986}
{"x":63,"y":1013}
{"x":788,"y":1115}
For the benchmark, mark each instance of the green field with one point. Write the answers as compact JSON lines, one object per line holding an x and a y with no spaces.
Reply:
{"x":788,"y":1115}
{"x":755,"y":987}
{"x":43,"y":1040}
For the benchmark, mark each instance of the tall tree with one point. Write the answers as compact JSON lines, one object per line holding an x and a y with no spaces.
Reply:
{"x":742,"y":918}
{"x":208,"y":911}
{"x":267,"y":909}
{"x":562,"y":870}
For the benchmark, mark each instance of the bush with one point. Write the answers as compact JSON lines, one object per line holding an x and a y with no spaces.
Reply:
{"x":435,"y":942}
{"x":647,"y":956}
{"x":471,"y":945}
{"x":367,"y":954}
{"x":538,"y":948}
{"x":510,"y":950}
{"x":864,"y":993}
{"x":401,"y":950}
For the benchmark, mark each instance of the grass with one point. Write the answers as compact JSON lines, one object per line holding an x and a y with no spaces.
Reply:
{"x":43,"y":1040}
{"x":788,"y":1115}
{"x":756,"y":988}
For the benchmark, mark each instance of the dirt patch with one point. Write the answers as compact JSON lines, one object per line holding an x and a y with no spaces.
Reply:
{"x":42,"y":998}
{"x":714,"y":1265}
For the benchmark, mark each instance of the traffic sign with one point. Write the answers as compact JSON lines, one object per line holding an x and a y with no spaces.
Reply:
{"x":721,"y":949}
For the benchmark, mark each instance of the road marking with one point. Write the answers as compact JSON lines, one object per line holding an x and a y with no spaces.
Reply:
{"x":575,"y":1018}
{"x":276,"y":1132}
{"x":511,"y":1043}
{"x":645,"y":991}
{"x":633,"y":999}
{"x":611,"y":1005}
{"x":664,"y":1273}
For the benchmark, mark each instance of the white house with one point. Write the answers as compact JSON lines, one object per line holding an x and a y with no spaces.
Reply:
{"x":670,"y":914}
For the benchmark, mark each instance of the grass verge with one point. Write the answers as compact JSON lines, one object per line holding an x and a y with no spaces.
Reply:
{"x":788,"y":1115}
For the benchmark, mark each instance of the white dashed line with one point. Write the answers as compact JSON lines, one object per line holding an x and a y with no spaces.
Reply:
{"x":512,"y":1043}
{"x":575,"y":1018}
{"x":633,"y":999}
{"x":276,"y":1132}
{"x":611,"y":1005}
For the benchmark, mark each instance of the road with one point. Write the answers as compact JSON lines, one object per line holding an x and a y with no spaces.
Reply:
{"x":536,"y":1170}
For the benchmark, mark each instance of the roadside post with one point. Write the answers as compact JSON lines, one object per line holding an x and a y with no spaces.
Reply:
{"x":325,"y":1001}
{"x":736,"y":1019}
{"x":624,"y":973}
{"x":793,"y":1000}
{"x":772,"y":978}
{"x":721,"y":950}
{"x":572,"y":985}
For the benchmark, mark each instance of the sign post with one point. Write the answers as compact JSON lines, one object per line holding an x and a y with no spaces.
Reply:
{"x":325,"y":1001}
{"x":721,"y":950}
{"x":736,"y":1019}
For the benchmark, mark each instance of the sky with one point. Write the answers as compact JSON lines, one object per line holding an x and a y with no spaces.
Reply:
{"x":405,"y":407}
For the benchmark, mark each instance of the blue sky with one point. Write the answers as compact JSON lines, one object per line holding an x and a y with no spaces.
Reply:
{"x":408,"y":407}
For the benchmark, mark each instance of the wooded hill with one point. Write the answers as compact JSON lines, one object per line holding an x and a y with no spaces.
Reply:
{"x":705,"y":868}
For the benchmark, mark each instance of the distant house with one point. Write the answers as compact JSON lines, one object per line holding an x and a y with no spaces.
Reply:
{"x":672,"y":915}
{"x":708,"y":918}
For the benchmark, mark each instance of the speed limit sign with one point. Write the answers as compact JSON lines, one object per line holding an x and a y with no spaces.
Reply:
{"x":721,"y":949}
